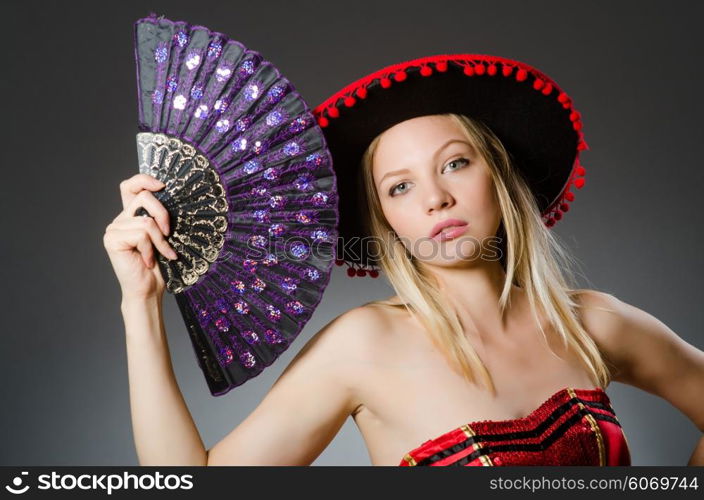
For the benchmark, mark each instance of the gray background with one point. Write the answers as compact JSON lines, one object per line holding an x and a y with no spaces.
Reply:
{"x":633,"y":70}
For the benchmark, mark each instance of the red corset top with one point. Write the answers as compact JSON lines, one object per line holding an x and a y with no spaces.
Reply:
{"x":573,"y":427}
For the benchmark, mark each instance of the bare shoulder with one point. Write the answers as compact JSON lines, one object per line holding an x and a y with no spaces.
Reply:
{"x":647,"y":353}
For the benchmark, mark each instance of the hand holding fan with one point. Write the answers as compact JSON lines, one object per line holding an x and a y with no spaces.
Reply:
{"x":250,"y":192}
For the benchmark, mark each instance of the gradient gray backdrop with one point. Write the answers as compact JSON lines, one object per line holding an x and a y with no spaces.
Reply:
{"x":633,"y":70}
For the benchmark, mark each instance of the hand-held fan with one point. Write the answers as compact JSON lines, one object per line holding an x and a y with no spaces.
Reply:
{"x":250,"y":192}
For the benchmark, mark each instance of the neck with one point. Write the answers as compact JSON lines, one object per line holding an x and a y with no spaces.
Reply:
{"x":474,"y":291}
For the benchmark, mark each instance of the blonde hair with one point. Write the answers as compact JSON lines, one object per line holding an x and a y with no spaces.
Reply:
{"x":532,"y":258}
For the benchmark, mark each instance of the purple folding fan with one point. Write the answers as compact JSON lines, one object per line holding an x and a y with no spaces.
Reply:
{"x":250,"y":192}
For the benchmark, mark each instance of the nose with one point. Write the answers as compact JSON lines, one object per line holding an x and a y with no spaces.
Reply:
{"x":438,"y":198}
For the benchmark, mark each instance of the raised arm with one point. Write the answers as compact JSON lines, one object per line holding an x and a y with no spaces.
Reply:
{"x":306,"y":406}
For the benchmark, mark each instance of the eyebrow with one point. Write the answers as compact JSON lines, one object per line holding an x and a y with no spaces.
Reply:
{"x":404,"y":170}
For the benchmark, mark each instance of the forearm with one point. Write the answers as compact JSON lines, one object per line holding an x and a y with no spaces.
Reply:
{"x":163,"y":428}
{"x":697,"y":457}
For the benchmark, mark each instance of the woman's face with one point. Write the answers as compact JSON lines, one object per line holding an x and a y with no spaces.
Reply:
{"x":426,"y":171}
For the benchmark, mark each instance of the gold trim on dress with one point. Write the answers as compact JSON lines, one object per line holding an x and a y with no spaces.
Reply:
{"x":594,"y":426}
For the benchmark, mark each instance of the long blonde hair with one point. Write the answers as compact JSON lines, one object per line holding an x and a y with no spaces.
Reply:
{"x":532,"y":259}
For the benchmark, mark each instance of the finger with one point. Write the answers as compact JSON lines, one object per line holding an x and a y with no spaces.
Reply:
{"x":155,"y":208}
{"x":130,"y":187}
{"x":128,"y":228}
{"x":149,"y":226}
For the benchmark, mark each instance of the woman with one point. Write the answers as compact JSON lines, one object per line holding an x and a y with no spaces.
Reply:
{"x":484,"y":328}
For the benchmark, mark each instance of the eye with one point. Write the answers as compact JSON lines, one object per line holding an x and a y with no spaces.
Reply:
{"x":458,"y":160}
{"x":394,"y":188}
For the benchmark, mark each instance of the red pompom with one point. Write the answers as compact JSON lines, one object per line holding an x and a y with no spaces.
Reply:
{"x":558,"y":215}
{"x":550,"y":222}
{"x":323,"y":122}
{"x":339,"y":262}
{"x":564,"y":207}
{"x":580,"y":170}
{"x":426,"y":71}
{"x":361,"y":273}
{"x":334,"y":112}
{"x":480,"y":69}
{"x":582,"y":145}
{"x":361,"y":92}
{"x":385,"y":82}
{"x":374,"y":273}
{"x":491,"y":69}
{"x":563,"y":97}
{"x":547,"y":89}
{"x":578,"y":182}
{"x":569,"y":196}
{"x":400,"y":76}
{"x":351,"y":272}
{"x":521,"y":75}
{"x":441,"y":66}
{"x":349,"y":101}
{"x":507,"y":70}
{"x":469,"y":70}
{"x":574,"y":116}
{"x":538,"y":84}
{"x":577,"y":125}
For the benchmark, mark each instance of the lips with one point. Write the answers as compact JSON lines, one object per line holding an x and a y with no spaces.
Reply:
{"x":447,"y":224}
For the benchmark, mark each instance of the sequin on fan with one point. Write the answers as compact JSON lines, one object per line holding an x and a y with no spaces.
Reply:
{"x":223,"y":73}
{"x":271,"y":173}
{"x":181,"y":38}
{"x":251,"y":337}
{"x":221,"y":105}
{"x":171,"y":84}
{"x":223,"y":125}
{"x":298,"y":125}
{"x":273,"y":336}
{"x":222,"y":324}
{"x":276,"y":201}
{"x":300,"y":250}
{"x":161,"y":53}
{"x":273,"y":312}
{"x":312,"y":274}
{"x":246,"y":68}
{"x":179,"y":102}
{"x":238,"y":286}
{"x":319,"y":199}
{"x":258,"y":285}
{"x":276,"y":230}
{"x":295,"y":307}
{"x":292,"y":148}
{"x":202,"y":111}
{"x":239,"y":145}
{"x":157,"y":96}
{"x":214,"y":49}
{"x":226,"y":355}
{"x":252,"y":91}
{"x":257,"y":240}
{"x":274,"y":118}
{"x":250,"y":265}
{"x":289,"y":284}
{"x":275,"y":93}
{"x":197,"y":92}
{"x":242,"y":307}
{"x":193,"y":60}
{"x":270,"y":260}
{"x":261,"y":216}
{"x":304,"y":182}
{"x":320,"y":235}
{"x":247,"y":359}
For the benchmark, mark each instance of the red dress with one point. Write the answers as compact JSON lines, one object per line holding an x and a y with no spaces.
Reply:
{"x":573,"y":427}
